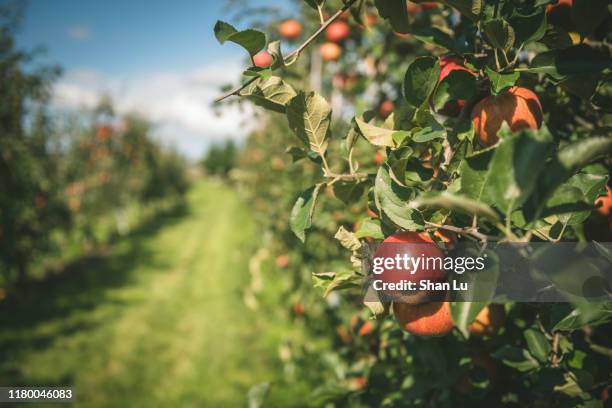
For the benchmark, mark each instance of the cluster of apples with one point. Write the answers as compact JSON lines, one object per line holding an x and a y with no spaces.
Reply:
{"x":335,"y":34}
{"x":424,"y":313}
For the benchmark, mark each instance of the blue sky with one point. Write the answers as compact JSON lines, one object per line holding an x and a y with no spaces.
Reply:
{"x":156,"y":57}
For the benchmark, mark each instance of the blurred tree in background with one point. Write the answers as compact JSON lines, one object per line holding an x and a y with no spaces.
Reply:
{"x":59,"y":187}
{"x":30,"y":201}
{"x":220,"y":158}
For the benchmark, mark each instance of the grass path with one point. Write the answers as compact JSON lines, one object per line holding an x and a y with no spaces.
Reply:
{"x":156,"y":321}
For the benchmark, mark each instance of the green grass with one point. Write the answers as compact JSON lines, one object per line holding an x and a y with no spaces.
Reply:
{"x":157,"y":319}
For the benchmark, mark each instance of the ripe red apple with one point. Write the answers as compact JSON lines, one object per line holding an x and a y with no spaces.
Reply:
{"x":431,"y":319}
{"x":330,"y":51}
{"x":402,"y":247}
{"x":337,"y":31}
{"x":262,"y":59}
{"x":518,"y":106}
{"x":290,"y":29}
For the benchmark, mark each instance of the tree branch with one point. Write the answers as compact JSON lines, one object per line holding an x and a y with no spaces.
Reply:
{"x":295,"y":53}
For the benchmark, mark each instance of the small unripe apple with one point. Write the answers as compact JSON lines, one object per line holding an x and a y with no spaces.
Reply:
{"x":518,"y":106}
{"x":330,"y":51}
{"x":337,"y":31}
{"x":431,"y":319}
{"x":290,"y":29}
{"x":262,"y":59}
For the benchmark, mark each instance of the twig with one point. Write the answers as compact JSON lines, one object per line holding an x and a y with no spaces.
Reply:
{"x":473,"y":232}
{"x":295,"y":53}
{"x":346,"y":177}
{"x":554,"y":360}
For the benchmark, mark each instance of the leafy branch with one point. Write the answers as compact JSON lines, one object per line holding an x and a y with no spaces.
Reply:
{"x":292,"y":57}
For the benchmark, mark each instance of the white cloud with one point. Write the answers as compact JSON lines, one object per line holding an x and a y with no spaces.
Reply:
{"x":79,"y":32}
{"x":178,"y":103}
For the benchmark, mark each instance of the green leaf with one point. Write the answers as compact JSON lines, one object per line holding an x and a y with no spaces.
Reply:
{"x":469,"y":8}
{"x":251,"y":40}
{"x":567,"y":203}
{"x":517,"y":358}
{"x":454,"y":202}
{"x":297,"y":153}
{"x":499,"y":33}
{"x":499,"y":81}
{"x":271,"y":93}
{"x":314,"y":3}
{"x":309,"y":117}
{"x":369,"y":228}
{"x":459,"y":84}
{"x":420,"y":80}
{"x":577,"y":318}
{"x":575,"y":60}
{"x":583,"y":86}
{"x":475,"y":176}
{"x":588,"y":15}
{"x":223,"y":31}
{"x":393,"y":201}
{"x":348,"y":191}
{"x":263,"y":73}
{"x":515,"y":166}
{"x":464,"y":313}
{"x":428,"y":133}
{"x":437,"y":37}
{"x":303,"y":210}
{"x":529,"y":27}
{"x":556,"y":37}
{"x":376,"y":135}
{"x":565,"y":164}
{"x":274,"y":49}
{"x":537,"y":344}
{"x":330,"y":281}
{"x":396,"y":12}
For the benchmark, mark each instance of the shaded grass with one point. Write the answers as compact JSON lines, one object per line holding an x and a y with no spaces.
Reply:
{"x":156,"y":319}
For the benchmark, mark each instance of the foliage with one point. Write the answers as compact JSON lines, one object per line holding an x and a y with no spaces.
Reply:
{"x":421,"y":169}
